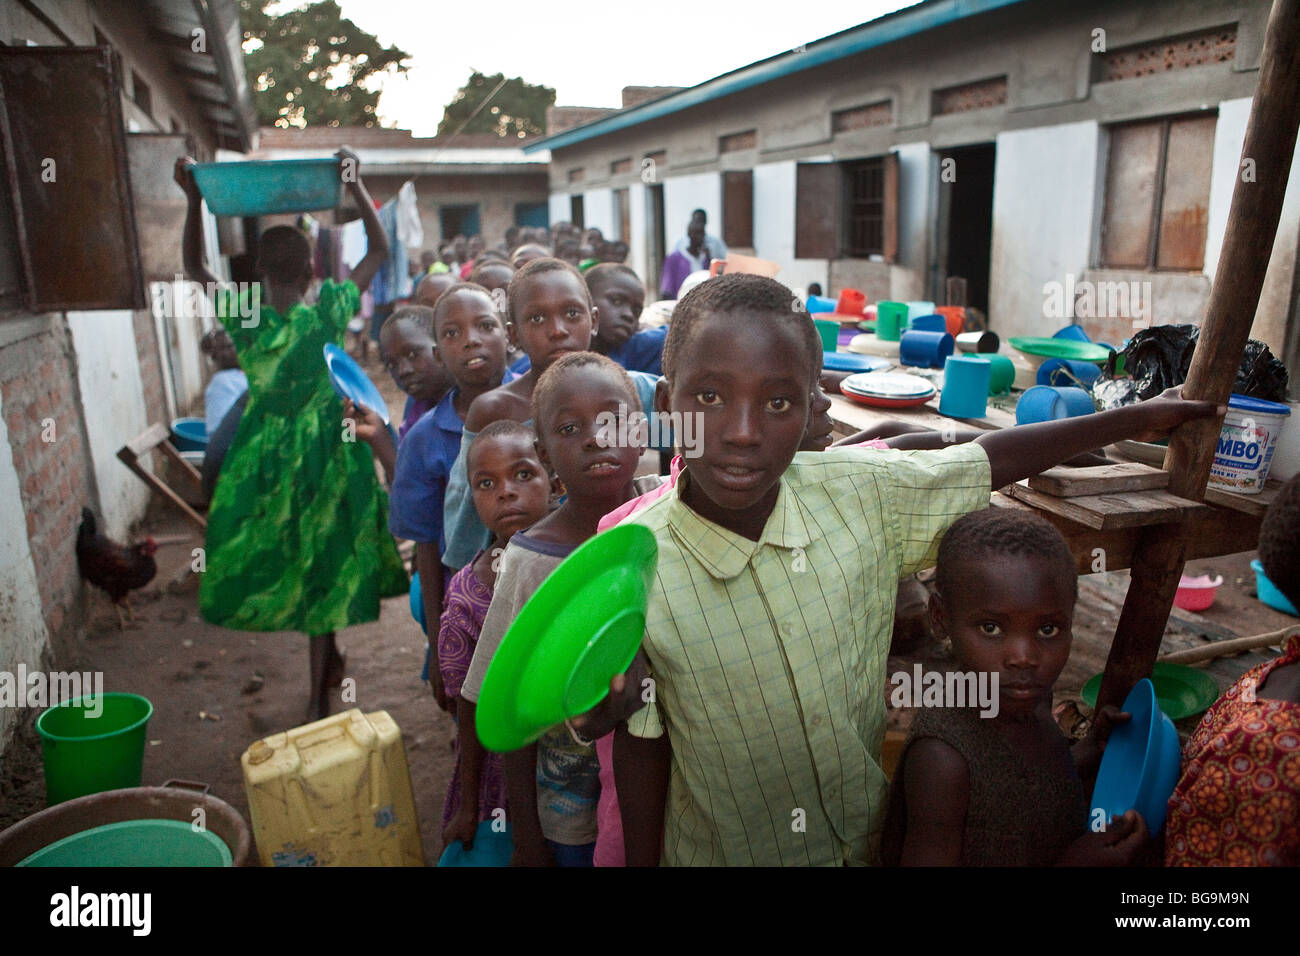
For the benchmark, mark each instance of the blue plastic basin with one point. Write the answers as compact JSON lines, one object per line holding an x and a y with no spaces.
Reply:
{"x":261,"y":187}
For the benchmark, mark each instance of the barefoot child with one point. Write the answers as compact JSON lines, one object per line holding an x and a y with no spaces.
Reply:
{"x":1000,"y":786}
{"x":772,"y":607}
{"x":296,"y":538}
{"x":553,"y":784}
{"x":511,"y":492}
{"x":470,"y":347}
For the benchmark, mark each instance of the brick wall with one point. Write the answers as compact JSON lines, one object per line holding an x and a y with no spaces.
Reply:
{"x":38,"y":379}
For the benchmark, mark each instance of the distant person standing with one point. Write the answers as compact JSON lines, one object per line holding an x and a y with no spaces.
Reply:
{"x":684,"y":260}
{"x":716,"y":248}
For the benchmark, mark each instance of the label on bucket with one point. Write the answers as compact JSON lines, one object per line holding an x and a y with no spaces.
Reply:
{"x":1243,"y":454}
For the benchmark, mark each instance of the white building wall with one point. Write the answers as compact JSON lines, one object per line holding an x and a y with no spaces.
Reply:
{"x":598,"y":211}
{"x":908,"y":279}
{"x":1044,"y":196}
{"x":1229,"y":136}
{"x":638,"y":246}
{"x":774,"y":209}
{"x":559,"y":207}
{"x":22,"y":628}
{"x":112,"y":399}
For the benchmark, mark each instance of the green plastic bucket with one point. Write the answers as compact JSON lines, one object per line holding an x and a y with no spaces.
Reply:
{"x":92,"y":744}
{"x":136,"y":843}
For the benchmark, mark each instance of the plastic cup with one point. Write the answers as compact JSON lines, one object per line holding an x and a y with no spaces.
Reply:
{"x":1002,"y":373}
{"x":819,"y":303}
{"x":965,"y":386}
{"x":92,"y":744}
{"x":1067,"y":372}
{"x":1046,"y":403}
{"x":890,"y":319}
{"x":928,"y":349}
{"x":955,"y":317}
{"x":1073,"y":332}
{"x":929,"y":323}
{"x":830,"y":333}
{"x":978,"y":341}
{"x":851,"y":302}
{"x":917,"y":309}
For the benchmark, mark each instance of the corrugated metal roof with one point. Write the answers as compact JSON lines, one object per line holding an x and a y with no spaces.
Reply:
{"x":887,"y":29}
{"x":213,"y":77}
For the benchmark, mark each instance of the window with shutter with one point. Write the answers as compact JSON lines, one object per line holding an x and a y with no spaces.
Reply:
{"x":65,"y":158}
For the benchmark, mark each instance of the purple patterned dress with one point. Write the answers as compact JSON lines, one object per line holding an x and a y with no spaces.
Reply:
{"x":466,"y":605}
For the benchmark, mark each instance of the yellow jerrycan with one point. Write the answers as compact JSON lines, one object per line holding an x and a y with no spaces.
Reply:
{"x":336,"y":792}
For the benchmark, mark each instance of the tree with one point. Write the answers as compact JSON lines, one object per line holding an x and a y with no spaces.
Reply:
{"x":309,"y":67}
{"x":513,"y":109}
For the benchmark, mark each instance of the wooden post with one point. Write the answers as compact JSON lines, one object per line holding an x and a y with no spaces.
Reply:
{"x":1261,"y":184}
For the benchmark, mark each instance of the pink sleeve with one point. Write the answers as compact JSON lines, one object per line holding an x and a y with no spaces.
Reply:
{"x":639,"y":502}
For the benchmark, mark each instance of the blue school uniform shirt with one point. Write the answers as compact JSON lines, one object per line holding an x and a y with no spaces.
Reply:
{"x":643,"y":352}
{"x":424,"y":460}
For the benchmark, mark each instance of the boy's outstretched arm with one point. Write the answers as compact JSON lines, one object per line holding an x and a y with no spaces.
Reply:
{"x":191,"y":236}
{"x":376,"y":239}
{"x":1016,"y":453}
{"x":641,"y":767}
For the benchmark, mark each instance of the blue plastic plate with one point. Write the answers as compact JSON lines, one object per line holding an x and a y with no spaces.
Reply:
{"x":490,"y":849}
{"x":1140,"y":767}
{"x":350,"y":382}
{"x":852,"y":362}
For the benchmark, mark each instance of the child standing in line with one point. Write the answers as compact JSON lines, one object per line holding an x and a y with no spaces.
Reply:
{"x":511,"y":492}
{"x":619,"y":294}
{"x":470,"y":346}
{"x":553,"y":784}
{"x":1002,"y":786}
{"x":551,"y":315}
{"x":495,"y":276}
{"x":406,"y":348}
{"x":771,"y":612}
{"x":1237,"y":802}
{"x":296,"y":538}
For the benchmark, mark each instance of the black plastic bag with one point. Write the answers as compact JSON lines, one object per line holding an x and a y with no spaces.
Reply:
{"x":1158,"y":358}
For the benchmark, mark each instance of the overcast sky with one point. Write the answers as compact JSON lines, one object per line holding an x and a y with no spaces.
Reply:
{"x":587,"y":51}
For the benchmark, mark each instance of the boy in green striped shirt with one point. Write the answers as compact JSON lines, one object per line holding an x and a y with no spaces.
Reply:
{"x":770,"y":616}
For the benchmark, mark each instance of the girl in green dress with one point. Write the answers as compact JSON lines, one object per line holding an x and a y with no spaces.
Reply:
{"x":297,"y":529}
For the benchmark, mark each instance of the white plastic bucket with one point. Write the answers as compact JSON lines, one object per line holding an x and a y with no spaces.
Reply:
{"x":1286,"y":456}
{"x":1246,"y":444}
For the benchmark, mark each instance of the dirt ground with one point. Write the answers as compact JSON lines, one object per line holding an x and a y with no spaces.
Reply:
{"x":216,"y":691}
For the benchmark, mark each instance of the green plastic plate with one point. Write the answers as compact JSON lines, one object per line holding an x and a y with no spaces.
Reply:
{"x":578,"y":630}
{"x":1061,"y":348}
{"x":1181,"y":691}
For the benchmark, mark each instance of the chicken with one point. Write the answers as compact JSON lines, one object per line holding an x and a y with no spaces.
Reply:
{"x":112,"y":567}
